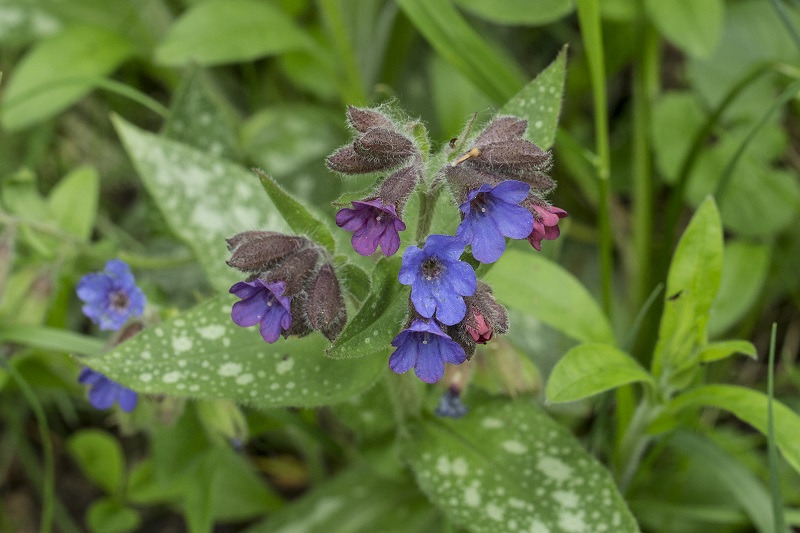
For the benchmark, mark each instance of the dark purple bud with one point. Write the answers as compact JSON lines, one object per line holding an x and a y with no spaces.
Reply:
{"x":325,"y":306}
{"x":545,"y":222}
{"x":300,"y":326}
{"x":363,"y":120}
{"x":517,"y":157}
{"x":347,"y":161}
{"x":295,"y":270}
{"x":396,"y":188}
{"x":384,"y":145}
{"x":258,"y":251}
{"x":502,"y":129}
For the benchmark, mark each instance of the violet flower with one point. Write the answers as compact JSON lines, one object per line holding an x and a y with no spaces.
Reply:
{"x":104,"y":392}
{"x":450,"y":405}
{"x":545,"y":224}
{"x":490,"y":215}
{"x":439,"y":280}
{"x":111,"y":297}
{"x":262,"y":303}
{"x":373,"y":224}
{"x":425,"y":347}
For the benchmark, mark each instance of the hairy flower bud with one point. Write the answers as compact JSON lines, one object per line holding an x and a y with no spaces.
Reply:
{"x":502,"y":128}
{"x":384,"y":145}
{"x":325,"y":306}
{"x":363,"y":120}
{"x":258,"y":251}
{"x":397,"y":187}
{"x":295,"y":270}
{"x":484,"y":318}
{"x":347,"y":161}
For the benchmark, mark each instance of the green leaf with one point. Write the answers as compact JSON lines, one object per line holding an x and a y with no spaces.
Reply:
{"x":357,"y":500}
{"x":355,"y":280}
{"x":81,"y":187}
{"x":110,"y":516}
{"x":519,"y":12}
{"x":692,"y":283}
{"x":197,"y":497}
{"x":695,"y":26}
{"x":590,"y":369}
{"x":229,"y":31}
{"x":542,"y":289}
{"x":489,"y":68}
{"x":58,"y":72}
{"x":677,"y":116}
{"x":202,"y":354}
{"x":100,"y":457}
{"x":744,"y":270}
{"x":201,"y":118}
{"x":539,"y":102}
{"x":57,"y":340}
{"x":751,"y":407}
{"x":379,"y":319}
{"x":296,"y":215}
{"x":204,"y":199}
{"x":239,"y":492}
{"x":509,"y":463}
{"x":720,"y":350}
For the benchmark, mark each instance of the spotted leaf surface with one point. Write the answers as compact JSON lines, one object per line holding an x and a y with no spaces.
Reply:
{"x":510,"y":467}
{"x":203,"y":354}
{"x":204,"y":199}
{"x":540,"y":103}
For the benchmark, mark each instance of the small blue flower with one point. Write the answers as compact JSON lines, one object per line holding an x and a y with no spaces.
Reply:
{"x":262,"y":303}
{"x":490,"y":215}
{"x":111,"y":297}
{"x":439,"y":281}
{"x":104,"y":392}
{"x":450,"y":405}
{"x":425,"y":347}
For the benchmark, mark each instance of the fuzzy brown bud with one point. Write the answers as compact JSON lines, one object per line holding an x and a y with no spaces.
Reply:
{"x":516,"y":157}
{"x":325,"y":306}
{"x":397,"y":187}
{"x":259,"y":251}
{"x":363,"y":120}
{"x":502,"y":129}
{"x":384,"y":145}
{"x":300,"y":326}
{"x":295,"y":270}
{"x":347,"y":161}
{"x":484,"y":318}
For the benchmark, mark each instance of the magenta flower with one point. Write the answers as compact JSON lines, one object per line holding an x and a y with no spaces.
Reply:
{"x":490,"y":215}
{"x":425,"y":347}
{"x":104,"y":392}
{"x":264,"y":304}
{"x":373,"y":224}
{"x":545,"y":224}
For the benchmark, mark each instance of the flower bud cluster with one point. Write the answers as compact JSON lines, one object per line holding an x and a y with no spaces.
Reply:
{"x":292,"y":288}
{"x":379,"y":146}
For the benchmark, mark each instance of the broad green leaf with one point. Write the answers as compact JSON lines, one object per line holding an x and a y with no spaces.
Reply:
{"x":720,"y":350}
{"x":508,"y":466}
{"x":108,"y":515}
{"x":202,"y":354}
{"x":353,"y":278}
{"x":198,"y":496}
{"x":229,"y":31}
{"x":692,"y":283}
{"x":695,"y":26}
{"x":201,"y":118}
{"x":380,"y":317}
{"x":590,"y":369}
{"x":357,"y":500}
{"x":239,"y":492}
{"x":539,"y":102}
{"x":676,"y":118}
{"x":100,"y":457}
{"x":542,"y":289}
{"x":519,"y":12}
{"x":369,"y":415}
{"x":489,"y":68}
{"x":744,"y":270}
{"x":58,"y":72}
{"x":750,"y":406}
{"x":205,"y":200}
{"x":57,"y":340}
{"x":454,"y":97}
{"x":144,"y":487}
{"x":81,"y":187}
{"x":296,"y":215}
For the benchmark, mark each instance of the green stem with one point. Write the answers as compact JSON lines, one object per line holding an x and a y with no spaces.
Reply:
{"x":427,"y":207}
{"x":634,"y":443}
{"x":591,"y":32}
{"x":331,"y":14}
{"x":786,"y":20}
{"x":772,"y":450}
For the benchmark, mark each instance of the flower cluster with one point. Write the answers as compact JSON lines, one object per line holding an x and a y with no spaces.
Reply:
{"x":110,"y":298}
{"x":379,"y":146}
{"x":292,"y":288}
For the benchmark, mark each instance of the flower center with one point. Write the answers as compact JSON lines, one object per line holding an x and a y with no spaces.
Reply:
{"x":118,"y":300}
{"x":431,"y":268}
{"x":479,"y":202}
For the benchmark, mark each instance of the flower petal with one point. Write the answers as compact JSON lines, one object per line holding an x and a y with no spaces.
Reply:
{"x":406,"y":354}
{"x":250,"y":311}
{"x":429,"y":366}
{"x":511,"y":191}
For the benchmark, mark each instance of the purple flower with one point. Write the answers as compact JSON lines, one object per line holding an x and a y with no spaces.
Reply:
{"x":425,"y":347}
{"x":545,"y":226}
{"x":438,"y":280}
{"x":104,"y":392}
{"x":262,"y":303}
{"x":450,"y":405}
{"x":111,"y":297}
{"x":490,"y":215}
{"x":372,"y":224}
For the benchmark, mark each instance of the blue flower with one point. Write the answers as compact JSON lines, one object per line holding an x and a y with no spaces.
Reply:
{"x":104,"y":392}
{"x":439,"y":281}
{"x":111,"y":297}
{"x":425,"y":347}
{"x":450,"y":405}
{"x":262,"y":303}
{"x":490,"y":215}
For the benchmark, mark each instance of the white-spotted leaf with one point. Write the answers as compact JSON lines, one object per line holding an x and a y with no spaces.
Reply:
{"x":204,"y":199}
{"x":507,"y":466}
{"x":203,"y":354}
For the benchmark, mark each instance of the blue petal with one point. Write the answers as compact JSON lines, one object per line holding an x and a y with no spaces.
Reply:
{"x":94,"y":288}
{"x":513,"y":221}
{"x":511,"y":191}
{"x":104,"y":394}
{"x":445,"y":246}
{"x":270,"y":327}
{"x":452,"y":352}
{"x":412,"y":260}
{"x":127,"y":399}
{"x":488,"y":244}
{"x":429,"y":366}
{"x":406,"y":353}
{"x":450,"y":309}
{"x":423,"y":297}
{"x":250,"y":311}
{"x":461,"y":278}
